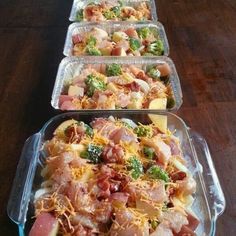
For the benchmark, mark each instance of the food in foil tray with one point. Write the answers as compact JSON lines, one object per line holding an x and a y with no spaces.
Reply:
{"x":114,"y":11}
{"x":116,"y":86}
{"x":144,"y":41}
{"x":114,"y":177}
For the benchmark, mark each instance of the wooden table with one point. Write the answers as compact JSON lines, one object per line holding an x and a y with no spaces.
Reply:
{"x":202,"y":38}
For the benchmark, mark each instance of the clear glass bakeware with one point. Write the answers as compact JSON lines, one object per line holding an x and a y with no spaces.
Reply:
{"x":72,"y":66}
{"x":80,"y":28}
{"x":81,"y":4}
{"x":209,"y":200}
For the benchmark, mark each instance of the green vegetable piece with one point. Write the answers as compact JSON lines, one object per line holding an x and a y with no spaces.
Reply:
{"x":93,"y":51}
{"x":93,"y":153}
{"x":91,"y":41}
{"x":143,"y":32}
{"x":135,"y":166}
{"x":134,"y":44}
{"x":80,"y":15}
{"x":116,"y":10}
{"x":109,"y":14}
{"x":142,"y":131}
{"x":149,"y":152}
{"x":113,"y":70}
{"x":154,"y":224}
{"x":89,"y":130}
{"x":170,"y":102}
{"x":154,"y":73}
{"x":121,"y":3}
{"x":156,"y":48}
{"x":93,"y":83}
{"x":155,"y":172}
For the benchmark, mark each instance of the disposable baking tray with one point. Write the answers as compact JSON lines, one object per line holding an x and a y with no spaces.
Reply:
{"x":209,"y":200}
{"x":81,"y":4}
{"x":72,"y":66}
{"x":80,"y":28}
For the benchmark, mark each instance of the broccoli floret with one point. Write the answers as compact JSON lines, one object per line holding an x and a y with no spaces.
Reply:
{"x":143,"y":32}
{"x":91,"y":41}
{"x":135,"y":166}
{"x":80,"y":15}
{"x":143,"y":131}
{"x":170,"y":102}
{"x":154,"y":224}
{"x":116,"y":10}
{"x":134,"y":44}
{"x":156,"y":48}
{"x":113,"y":70}
{"x":121,"y":3}
{"x":93,"y":51}
{"x":109,"y":14}
{"x":93,"y":153}
{"x":155,"y":172}
{"x":94,"y":83}
{"x":149,"y":152}
{"x":154,"y":73}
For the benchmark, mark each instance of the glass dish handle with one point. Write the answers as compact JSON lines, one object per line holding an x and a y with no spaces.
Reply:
{"x":20,"y":193}
{"x":213,"y":189}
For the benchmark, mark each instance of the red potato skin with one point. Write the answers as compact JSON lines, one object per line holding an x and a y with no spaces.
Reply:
{"x":43,"y":225}
{"x":164,"y":69}
{"x":116,"y":51}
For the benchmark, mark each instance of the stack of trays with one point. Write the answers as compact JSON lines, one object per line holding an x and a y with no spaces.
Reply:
{"x":116,"y":69}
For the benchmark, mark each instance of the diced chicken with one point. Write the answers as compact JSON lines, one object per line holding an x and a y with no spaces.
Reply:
{"x":127,"y":225}
{"x":75,"y":90}
{"x":176,"y":219}
{"x":162,"y":150}
{"x":113,"y":154}
{"x":93,"y":13}
{"x":187,"y":186}
{"x":122,"y":134}
{"x":123,"y":100}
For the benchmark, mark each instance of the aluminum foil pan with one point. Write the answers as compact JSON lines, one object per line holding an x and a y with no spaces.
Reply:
{"x":81,"y":4}
{"x":80,"y":28}
{"x":72,"y":66}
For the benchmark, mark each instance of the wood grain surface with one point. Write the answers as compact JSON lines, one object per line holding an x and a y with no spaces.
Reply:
{"x":202,"y":38}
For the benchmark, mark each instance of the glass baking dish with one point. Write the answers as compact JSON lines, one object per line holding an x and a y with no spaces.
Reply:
{"x":80,"y":28}
{"x":81,"y":4}
{"x":72,"y":66}
{"x":209,"y":200}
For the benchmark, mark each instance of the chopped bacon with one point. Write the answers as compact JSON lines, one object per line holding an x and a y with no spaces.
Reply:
{"x":67,"y":105}
{"x":131,"y":32}
{"x":113,"y":153}
{"x":76,"y":39}
{"x":65,"y":98}
{"x":133,"y":86}
{"x":178,"y":175}
{"x":185,"y":231}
